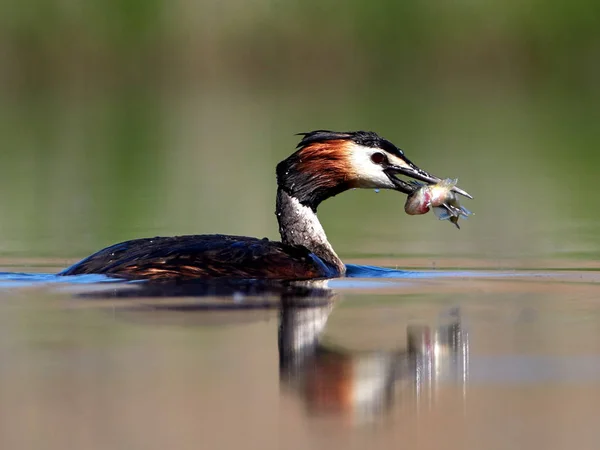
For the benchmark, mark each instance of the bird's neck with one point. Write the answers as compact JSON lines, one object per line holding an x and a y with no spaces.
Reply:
{"x":299,"y":225}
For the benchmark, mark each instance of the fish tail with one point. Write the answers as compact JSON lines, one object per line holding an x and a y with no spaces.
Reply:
{"x":465,"y":212}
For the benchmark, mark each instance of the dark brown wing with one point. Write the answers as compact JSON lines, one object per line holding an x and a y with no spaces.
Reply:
{"x":203,"y":256}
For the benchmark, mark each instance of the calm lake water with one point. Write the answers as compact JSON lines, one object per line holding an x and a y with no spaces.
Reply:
{"x":457,"y":358}
{"x":490,"y":340}
{"x":130,"y":119}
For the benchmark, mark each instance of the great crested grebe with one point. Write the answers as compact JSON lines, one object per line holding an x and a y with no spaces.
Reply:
{"x":325,"y":164}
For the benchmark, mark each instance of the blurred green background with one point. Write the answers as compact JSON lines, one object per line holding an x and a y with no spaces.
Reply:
{"x":131,"y":118}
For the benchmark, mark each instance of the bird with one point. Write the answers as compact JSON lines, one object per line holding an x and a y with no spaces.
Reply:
{"x":324,"y":164}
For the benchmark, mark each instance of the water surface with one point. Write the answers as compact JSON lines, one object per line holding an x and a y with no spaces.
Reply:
{"x":145,"y":118}
{"x":458,"y":358}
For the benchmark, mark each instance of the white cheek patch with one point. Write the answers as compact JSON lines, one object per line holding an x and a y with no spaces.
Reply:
{"x":367,"y":174}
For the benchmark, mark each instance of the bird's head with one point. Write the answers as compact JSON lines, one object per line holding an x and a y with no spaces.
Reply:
{"x":329,"y":162}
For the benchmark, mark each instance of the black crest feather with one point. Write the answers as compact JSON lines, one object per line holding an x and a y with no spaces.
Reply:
{"x":365,"y":138}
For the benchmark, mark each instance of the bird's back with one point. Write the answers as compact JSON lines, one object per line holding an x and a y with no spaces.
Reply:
{"x":203,"y":256}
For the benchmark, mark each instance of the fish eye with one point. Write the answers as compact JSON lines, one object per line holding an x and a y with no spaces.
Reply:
{"x":378,"y":157}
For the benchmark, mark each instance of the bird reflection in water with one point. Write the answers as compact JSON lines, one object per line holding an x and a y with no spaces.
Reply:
{"x":365,"y":384}
{"x":328,"y":378}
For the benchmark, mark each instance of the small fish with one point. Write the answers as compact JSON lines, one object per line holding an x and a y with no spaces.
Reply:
{"x":440,"y":197}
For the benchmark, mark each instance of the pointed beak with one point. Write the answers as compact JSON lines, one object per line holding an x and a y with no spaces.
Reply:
{"x":403,"y":166}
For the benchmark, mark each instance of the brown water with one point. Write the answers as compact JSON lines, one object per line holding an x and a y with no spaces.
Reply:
{"x":462,"y":359}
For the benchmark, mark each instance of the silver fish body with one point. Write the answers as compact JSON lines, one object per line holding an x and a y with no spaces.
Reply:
{"x":440,"y":197}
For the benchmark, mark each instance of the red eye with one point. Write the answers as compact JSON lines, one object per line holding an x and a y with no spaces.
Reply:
{"x":378,"y":158}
